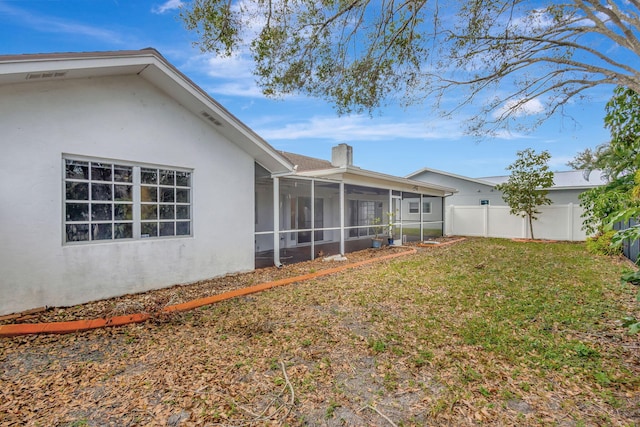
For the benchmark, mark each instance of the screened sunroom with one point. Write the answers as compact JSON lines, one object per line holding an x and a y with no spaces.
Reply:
{"x":339,"y":209}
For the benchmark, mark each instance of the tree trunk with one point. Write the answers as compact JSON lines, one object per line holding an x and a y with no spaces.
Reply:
{"x":530,"y":226}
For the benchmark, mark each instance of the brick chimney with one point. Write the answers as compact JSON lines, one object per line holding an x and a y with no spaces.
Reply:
{"x":342,"y":155}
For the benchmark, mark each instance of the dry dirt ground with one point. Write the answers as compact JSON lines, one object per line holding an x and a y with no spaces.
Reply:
{"x":266,"y":359}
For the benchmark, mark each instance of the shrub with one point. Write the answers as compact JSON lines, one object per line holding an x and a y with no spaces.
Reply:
{"x":601,"y":244}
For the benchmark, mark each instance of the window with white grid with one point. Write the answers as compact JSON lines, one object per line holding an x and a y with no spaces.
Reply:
{"x":106,"y":200}
{"x":165,"y":202}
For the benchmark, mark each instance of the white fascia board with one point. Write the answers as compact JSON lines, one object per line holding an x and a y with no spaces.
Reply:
{"x":18,"y":68}
{"x":357,"y":176}
{"x":192,"y":97}
{"x":581,"y":187}
{"x":452,"y":175}
{"x":323,"y":173}
{"x":397,"y":179}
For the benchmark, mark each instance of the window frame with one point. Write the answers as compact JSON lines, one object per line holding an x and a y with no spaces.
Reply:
{"x":135,"y":185}
{"x":102,"y":208}
{"x":167,"y":201}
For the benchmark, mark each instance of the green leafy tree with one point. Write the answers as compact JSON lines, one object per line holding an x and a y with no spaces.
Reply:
{"x":619,"y":200}
{"x":619,"y":161}
{"x":623,"y":158}
{"x":362,"y":54}
{"x":600,"y":203}
{"x":526,"y":188}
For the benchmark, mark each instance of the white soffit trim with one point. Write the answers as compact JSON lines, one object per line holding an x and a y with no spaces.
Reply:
{"x":452,"y":175}
{"x":20,"y":68}
{"x":357,"y":176}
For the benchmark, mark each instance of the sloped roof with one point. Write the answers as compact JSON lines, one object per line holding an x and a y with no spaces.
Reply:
{"x":150,"y":65}
{"x":564,"y":180}
{"x":449,"y":174}
{"x":320,"y":168}
{"x":306,"y":163}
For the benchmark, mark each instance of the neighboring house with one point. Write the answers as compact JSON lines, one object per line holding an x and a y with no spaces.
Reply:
{"x":471,"y":191}
{"x":478,"y":209}
{"x":120,"y":175}
{"x":481,"y":191}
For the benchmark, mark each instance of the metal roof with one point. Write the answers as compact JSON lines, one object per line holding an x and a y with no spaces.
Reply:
{"x":563,"y":180}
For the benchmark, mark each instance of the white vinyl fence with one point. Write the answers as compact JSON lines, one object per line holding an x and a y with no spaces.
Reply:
{"x":556,"y":222}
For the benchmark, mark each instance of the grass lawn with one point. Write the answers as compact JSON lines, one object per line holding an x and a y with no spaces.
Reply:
{"x":482,"y":332}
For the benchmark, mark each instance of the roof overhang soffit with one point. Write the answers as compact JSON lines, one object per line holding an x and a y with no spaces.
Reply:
{"x":372,"y":179}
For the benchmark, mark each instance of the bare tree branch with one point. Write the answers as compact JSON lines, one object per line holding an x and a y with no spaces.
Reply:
{"x":360,"y":54}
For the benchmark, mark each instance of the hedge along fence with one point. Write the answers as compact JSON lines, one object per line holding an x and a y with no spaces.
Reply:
{"x":555,"y":222}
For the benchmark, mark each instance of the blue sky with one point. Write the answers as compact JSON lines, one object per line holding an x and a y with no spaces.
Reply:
{"x":393,"y":141}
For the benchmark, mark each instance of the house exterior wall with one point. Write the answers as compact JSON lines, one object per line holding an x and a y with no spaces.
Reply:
{"x":469,"y":193}
{"x":434,"y":215}
{"x":125,"y":119}
{"x":563,"y":197}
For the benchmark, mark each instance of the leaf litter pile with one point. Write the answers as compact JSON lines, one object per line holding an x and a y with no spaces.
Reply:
{"x":154,"y":301}
{"x":482,"y":332}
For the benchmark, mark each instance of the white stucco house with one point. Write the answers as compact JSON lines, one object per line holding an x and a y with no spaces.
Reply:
{"x":120,"y":175}
{"x":116,"y":179}
{"x":567,"y":185}
{"x":478,"y":209}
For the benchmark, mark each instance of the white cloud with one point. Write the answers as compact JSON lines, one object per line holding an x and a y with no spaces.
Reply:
{"x":506,"y":134}
{"x":166,"y":6}
{"x":534,"y":20}
{"x":560,"y":162}
{"x":517,"y":108}
{"x":233,"y":67}
{"x":364,"y":128}
{"x":50,"y":24}
{"x":357,"y":128}
{"x":230,"y":76}
{"x":239,"y":89}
